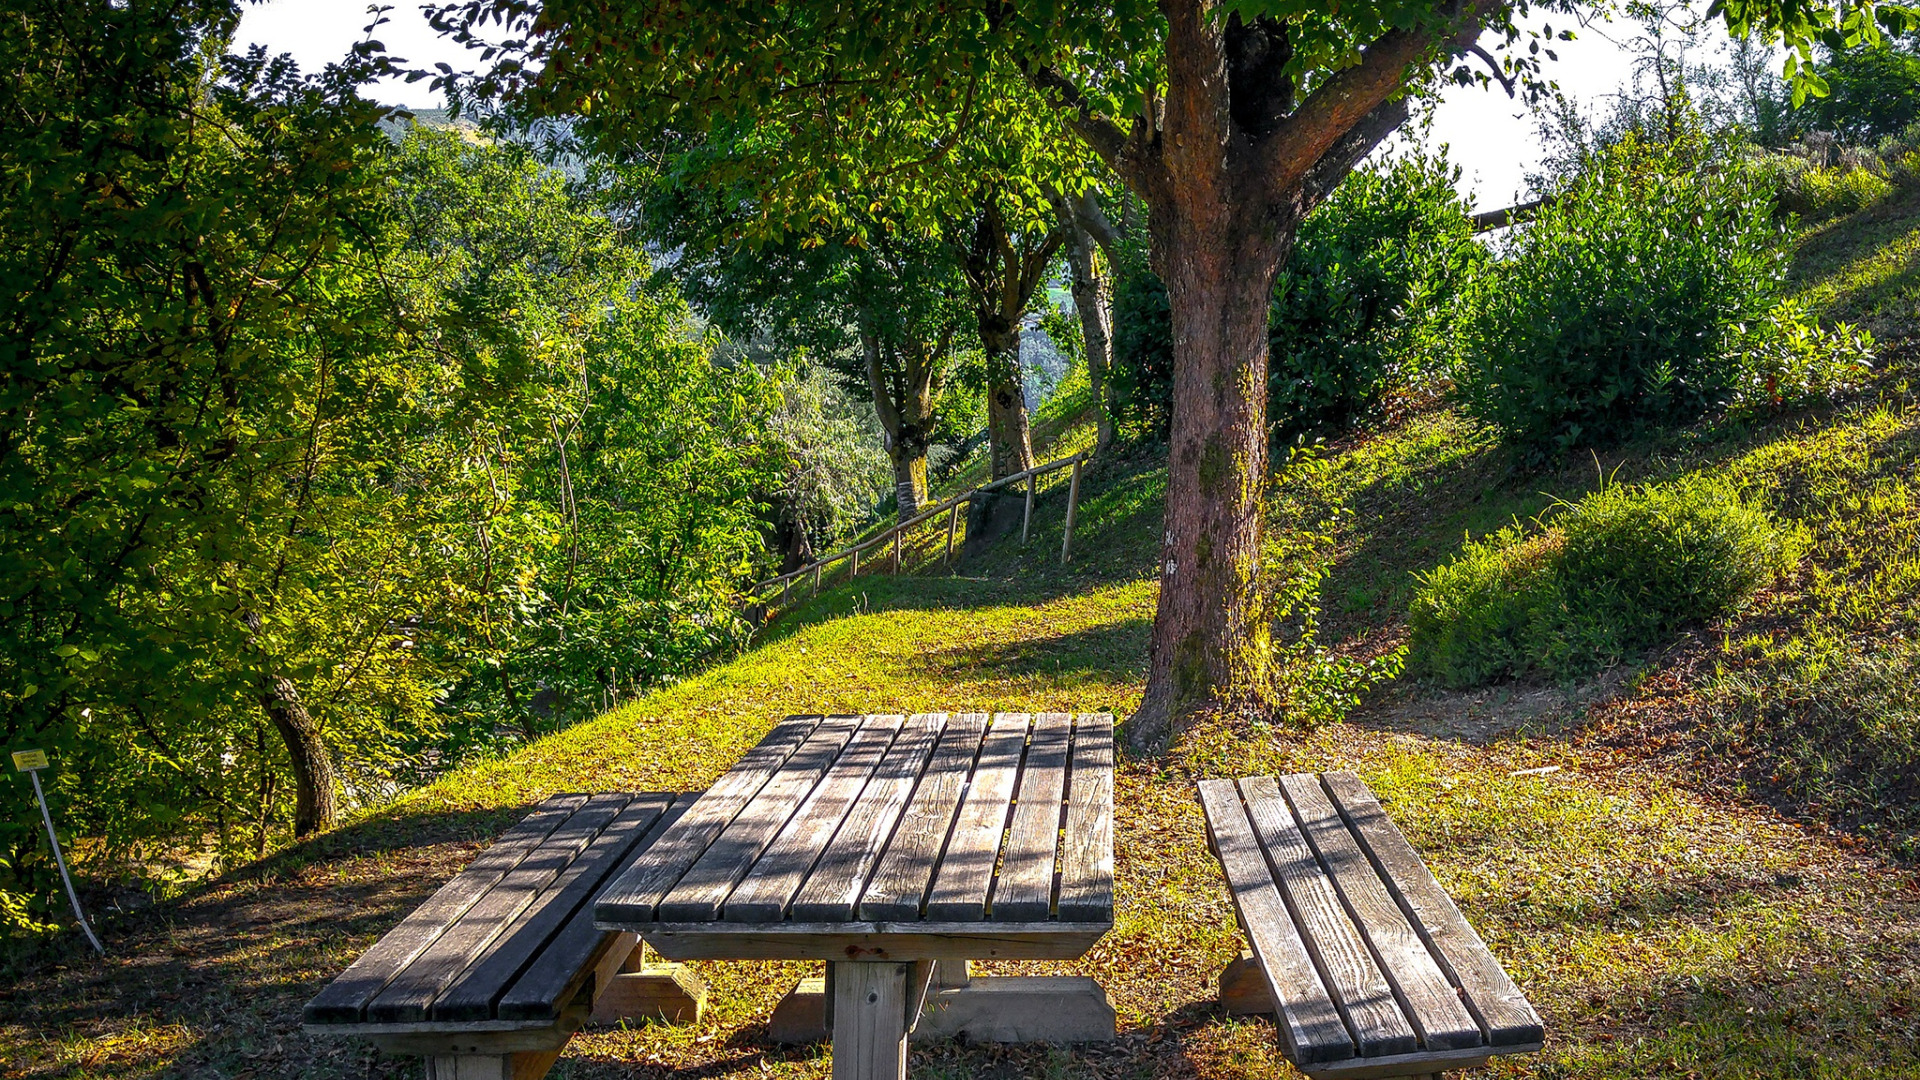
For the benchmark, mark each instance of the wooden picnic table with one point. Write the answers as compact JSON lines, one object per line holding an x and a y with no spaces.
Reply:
{"x":892,"y":847}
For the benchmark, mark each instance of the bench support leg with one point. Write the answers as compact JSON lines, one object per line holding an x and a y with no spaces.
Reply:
{"x":1243,"y":989}
{"x":526,"y":1065}
{"x":870,"y":1003}
{"x":640,"y":986}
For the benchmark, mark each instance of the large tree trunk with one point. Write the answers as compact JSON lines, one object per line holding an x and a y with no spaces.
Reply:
{"x":313,"y":806}
{"x":908,"y":451}
{"x":1229,"y":163}
{"x":1093,"y":301}
{"x":1218,"y":252}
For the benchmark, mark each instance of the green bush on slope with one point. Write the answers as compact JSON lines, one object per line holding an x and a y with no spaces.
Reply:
{"x":1614,"y":574}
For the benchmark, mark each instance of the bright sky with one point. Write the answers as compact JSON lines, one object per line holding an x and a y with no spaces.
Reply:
{"x":1493,"y":138}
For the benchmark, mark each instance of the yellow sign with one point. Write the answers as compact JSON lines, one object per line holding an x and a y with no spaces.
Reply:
{"x":24,"y":760}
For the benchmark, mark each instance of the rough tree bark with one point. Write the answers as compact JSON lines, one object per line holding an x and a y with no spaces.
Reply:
{"x":1003,"y":268}
{"x":313,"y":805}
{"x":1228,"y":165}
{"x":903,"y":396}
{"x":1087,"y":233}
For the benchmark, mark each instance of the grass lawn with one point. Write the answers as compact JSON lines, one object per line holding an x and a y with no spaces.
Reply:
{"x":1716,"y":881}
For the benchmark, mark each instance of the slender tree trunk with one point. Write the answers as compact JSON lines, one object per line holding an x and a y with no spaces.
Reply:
{"x":313,"y":806}
{"x":908,"y":451}
{"x":1008,"y":433}
{"x":906,"y":419}
{"x":1092,"y":299}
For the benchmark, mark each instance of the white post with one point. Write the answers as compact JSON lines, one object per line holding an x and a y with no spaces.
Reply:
{"x":1073,"y":500}
{"x":61,"y":860}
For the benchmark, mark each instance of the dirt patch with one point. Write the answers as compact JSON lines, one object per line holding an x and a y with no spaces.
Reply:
{"x":1480,"y":716}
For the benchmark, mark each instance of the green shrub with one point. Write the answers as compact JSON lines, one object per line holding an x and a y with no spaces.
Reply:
{"x":1142,"y":376}
{"x":1611,"y":312}
{"x":1612,"y":575}
{"x":1363,"y":305}
{"x":1360,"y":309}
{"x":1817,"y":194}
{"x":1787,"y":358}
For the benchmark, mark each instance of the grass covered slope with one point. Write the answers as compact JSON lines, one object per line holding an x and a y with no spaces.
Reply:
{"x":1666,"y":921}
{"x":1662,"y":928}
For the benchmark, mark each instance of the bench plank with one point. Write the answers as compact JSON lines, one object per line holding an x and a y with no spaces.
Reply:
{"x":1023,"y":890}
{"x":899,"y":885}
{"x":966,"y":867}
{"x":546,"y":988}
{"x":1309,"y":1022}
{"x":636,"y":894}
{"x":1428,"y":999}
{"x":1338,"y":949}
{"x":473,"y":994}
{"x":409,"y":997}
{"x":778,"y":874}
{"x":1086,"y":854}
{"x":833,"y":889}
{"x":1509,"y":1020}
{"x":701,"y":893}
{"x":344,"y":1000}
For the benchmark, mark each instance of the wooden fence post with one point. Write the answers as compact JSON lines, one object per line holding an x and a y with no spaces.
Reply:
{"x":816,"y":578}
{"x":785,"y":584}
{"x":953,"y":519}
{"x":1026,"y":521}
{"x":896,"y":551}
{"x":1073,"y":501}
{"x":856,"y":565}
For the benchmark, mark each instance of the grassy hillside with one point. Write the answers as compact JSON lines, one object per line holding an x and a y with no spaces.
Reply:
{"x":1713,"y":881}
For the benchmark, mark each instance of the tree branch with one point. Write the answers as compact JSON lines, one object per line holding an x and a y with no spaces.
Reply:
{"x":1493,"y":68}
{"x":1344,"y":100}
{"x":1121,"y":151}
{"x":1344,"y":154}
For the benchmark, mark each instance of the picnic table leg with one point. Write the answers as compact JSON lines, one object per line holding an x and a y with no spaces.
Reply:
{"x":870,"y":1004}
{"x":520,"y":1066}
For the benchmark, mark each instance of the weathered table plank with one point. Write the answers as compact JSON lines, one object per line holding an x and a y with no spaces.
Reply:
{"x":473,"y":993}
{"x":1310,"y":1024}
{"x":701,"y":893}
{"x":636,"y":894}
{"x":1503,"y":1011}
{"x":833,"y":889}
{"x":966,"y":867}
{"x":900,"y":884}
{"x":1339,"y":950}
{"x":788,"y":859}
{"x":410,"y":996}
{"x":1086,"y":851}
{"x":1023,"y":891}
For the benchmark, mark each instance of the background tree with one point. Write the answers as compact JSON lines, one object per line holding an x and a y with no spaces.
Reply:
{"x":1230,"y":121}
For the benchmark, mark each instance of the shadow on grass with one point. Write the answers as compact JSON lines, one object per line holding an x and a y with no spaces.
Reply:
{"x":212,"y":982}
{"x":1116,"y":649}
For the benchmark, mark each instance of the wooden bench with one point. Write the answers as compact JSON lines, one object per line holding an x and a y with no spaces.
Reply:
{"x":1369,"y":968}
{"x":494,"y":972}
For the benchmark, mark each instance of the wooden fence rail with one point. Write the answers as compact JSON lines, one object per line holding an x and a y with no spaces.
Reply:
{"x":951,"y":508}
